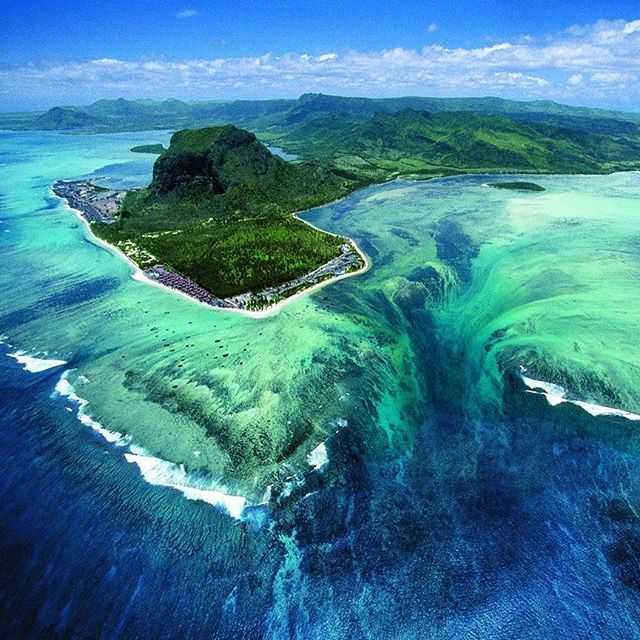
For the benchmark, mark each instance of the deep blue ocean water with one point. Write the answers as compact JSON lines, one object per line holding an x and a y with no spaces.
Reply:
{"x":520,"y":524}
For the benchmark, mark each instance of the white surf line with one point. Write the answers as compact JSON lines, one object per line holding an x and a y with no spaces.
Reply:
{"x":31,"y":363}
{"x":35,"y":365}
{"x":154,"y":470}
{"x":140,"y":276}
{"x":162,"y":473}
{"x":318,"y":457}
{"x":555,"y":395}
{"x":66,"y":390}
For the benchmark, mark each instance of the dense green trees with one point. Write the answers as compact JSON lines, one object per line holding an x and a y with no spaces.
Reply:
{"x":219,"y":211}
{"x":420,"y":142}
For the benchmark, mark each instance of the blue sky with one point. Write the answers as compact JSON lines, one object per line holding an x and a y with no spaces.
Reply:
{"x":75,"y":52}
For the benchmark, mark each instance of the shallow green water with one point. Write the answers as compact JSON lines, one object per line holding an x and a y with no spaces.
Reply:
{"x":467,"y":283}
{"x":552,"y":287}
{"x":445,"y":495}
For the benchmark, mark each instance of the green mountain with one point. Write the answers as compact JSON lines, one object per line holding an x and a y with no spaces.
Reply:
{"x":219,"y":211}
{"x":272,"y":116}
{"x":230,"y":162}
{"x":64,"y":118}
{"x":255,"y":114}
{"x":120,"y":108}
{"x":423,"y":142}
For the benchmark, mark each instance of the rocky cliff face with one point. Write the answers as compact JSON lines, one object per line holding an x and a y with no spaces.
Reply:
{"x":215,"y":158}
{"x":171,"y":171}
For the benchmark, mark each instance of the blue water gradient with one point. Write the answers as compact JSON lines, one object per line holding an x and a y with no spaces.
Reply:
{"x":520,"y":525}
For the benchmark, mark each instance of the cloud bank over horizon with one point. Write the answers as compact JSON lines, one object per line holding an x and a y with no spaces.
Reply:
{"x":595,"y":64}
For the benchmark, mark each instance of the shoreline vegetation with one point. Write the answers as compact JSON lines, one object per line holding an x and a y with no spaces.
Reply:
{"x":93,"y":203}
{"x":153,"y":149}
{"x":517,"y":185}
{"x":218,"y":224}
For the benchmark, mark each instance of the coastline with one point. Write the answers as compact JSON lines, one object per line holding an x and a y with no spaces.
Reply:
{"x":139,"y":275}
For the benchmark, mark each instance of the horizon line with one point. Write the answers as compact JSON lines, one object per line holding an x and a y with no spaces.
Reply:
{"x":170,"y":98}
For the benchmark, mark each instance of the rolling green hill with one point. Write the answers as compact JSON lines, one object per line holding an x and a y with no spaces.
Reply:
{"x":316,"y":105}
{"x":63,"y":118}
{"x":417,"y":142}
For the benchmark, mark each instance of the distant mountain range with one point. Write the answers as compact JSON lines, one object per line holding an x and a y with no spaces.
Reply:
{"x":417,"y":143}
{"x":374,"y":139}
{"x":125,"y":115}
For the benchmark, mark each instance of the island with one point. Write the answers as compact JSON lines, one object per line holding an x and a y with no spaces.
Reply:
{"x":155,"y":149}
{"x":218,"y":221}
{"x":517,"y":186}
{"x":94,"y":202}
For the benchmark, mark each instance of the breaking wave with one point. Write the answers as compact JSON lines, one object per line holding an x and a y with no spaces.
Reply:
{"x":35,"y":365}
{"x":555,"y":395}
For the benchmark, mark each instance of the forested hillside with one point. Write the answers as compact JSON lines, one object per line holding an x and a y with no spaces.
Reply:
{"x":219,"y":211}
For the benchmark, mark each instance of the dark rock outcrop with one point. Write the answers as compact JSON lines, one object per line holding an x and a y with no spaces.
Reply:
{"x":216,"y":158}
{"x":185,"y":169}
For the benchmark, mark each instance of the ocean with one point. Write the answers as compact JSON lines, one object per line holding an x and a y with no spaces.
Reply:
{"x":443,"y":447}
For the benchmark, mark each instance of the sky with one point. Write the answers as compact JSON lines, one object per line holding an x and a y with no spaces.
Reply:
{"x":75,"y":52}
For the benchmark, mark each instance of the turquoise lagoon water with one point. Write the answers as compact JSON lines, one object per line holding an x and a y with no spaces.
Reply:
{"x":434,"y":449}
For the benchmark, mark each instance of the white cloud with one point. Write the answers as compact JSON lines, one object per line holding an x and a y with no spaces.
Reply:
{"x":631,"y":27}
{"x":584,"y":63}
{"x":612,"y":78}
{"x":516,"y":79}
{"x":326,"y":57}
{"x":187,"y":13}
{"x":432,"y":28}
{"x":107,"y":62}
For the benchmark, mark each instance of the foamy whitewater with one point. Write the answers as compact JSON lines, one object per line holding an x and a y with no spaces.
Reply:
{"x":66,"y":390}
{"x":318,"y":457}
{"x":154,"y":470}
{"x":167,"y":474}
{"x":35,"y":365}
{"x":555,"y":395}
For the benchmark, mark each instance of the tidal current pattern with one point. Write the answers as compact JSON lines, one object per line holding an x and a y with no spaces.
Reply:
{"x":443,"y":447}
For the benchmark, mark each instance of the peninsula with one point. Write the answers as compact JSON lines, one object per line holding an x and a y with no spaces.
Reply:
{"x":218,"y":223}
{"x":95,"y":203}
